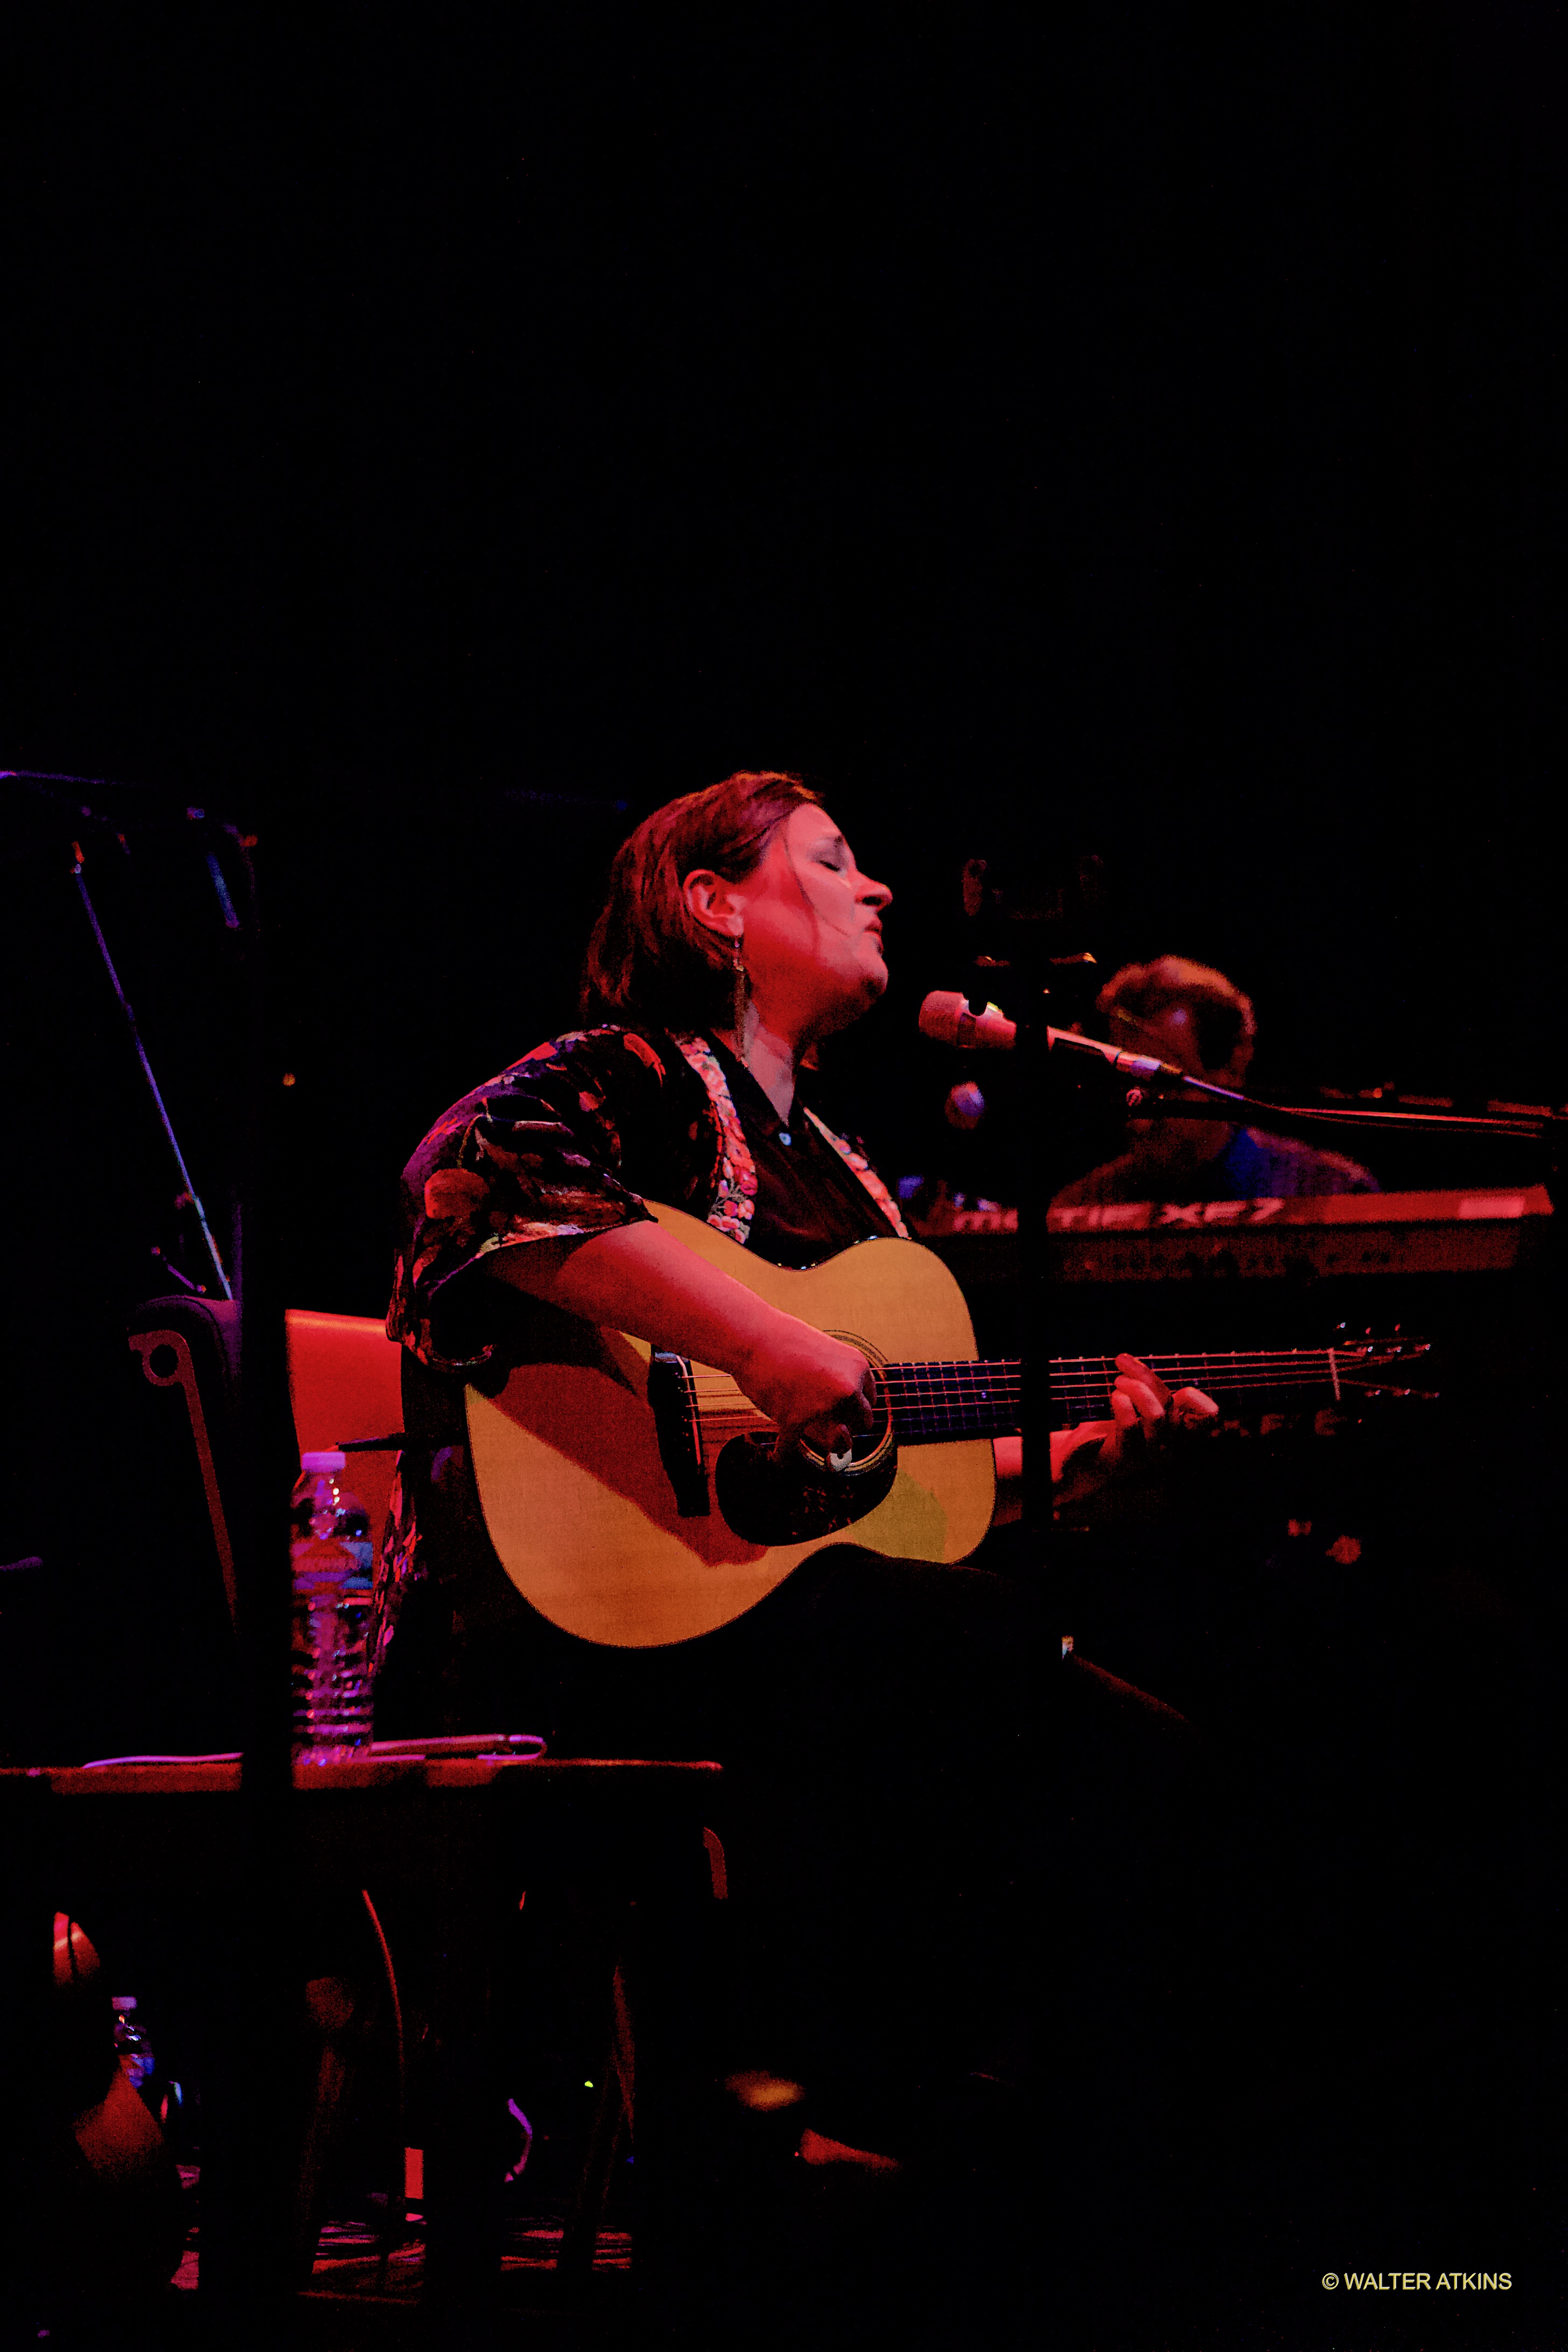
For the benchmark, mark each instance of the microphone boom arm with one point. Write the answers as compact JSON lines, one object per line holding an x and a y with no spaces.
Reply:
{"x":946,"y":1017}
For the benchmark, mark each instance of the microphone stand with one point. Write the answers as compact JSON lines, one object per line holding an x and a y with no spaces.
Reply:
{"x":1149,"y":1100}
{"x":247,"y":2151}
{"x":159,"y":1106}
{"x":72,"y":808}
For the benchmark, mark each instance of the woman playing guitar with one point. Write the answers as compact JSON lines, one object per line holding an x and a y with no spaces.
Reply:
{"x":872,"y":1712}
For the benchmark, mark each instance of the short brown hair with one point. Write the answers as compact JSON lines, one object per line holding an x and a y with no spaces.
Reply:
{"x":648,"y":960}
{"x":1222,"y":1016}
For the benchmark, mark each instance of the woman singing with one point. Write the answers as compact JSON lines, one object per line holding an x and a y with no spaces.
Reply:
{"x":873,"y":1714}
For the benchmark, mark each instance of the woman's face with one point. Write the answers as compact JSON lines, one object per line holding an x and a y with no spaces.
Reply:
{"x":812,"y":928}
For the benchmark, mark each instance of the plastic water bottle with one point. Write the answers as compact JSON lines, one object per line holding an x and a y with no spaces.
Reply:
{"x":132,"y":2045}
{"x":333,"y":1562}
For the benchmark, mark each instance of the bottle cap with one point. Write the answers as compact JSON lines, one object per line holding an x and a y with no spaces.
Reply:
{"x":323,"y":1461}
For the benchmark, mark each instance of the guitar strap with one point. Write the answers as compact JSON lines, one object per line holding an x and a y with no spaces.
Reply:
{"x":736,"y":1200}
{"x":866,"y":1173}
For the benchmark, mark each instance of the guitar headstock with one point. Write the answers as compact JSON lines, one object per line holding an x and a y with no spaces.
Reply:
{"x":1357,"y":1354}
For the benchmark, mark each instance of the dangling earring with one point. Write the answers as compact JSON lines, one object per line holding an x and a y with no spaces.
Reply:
{"x":739,"y":1007}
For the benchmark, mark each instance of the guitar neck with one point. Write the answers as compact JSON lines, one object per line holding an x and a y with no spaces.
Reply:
{"x":931,"y":1401}
{"x":1081,"y":1385}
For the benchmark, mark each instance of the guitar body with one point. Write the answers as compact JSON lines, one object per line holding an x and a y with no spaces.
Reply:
{"x":582,"y":1512}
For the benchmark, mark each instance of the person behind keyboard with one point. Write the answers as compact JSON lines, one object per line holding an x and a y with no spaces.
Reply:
{"x":1190,"y":1015}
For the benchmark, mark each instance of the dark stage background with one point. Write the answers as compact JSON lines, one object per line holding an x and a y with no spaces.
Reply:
{"x":429,"y":451}
{"x":431,"y":455}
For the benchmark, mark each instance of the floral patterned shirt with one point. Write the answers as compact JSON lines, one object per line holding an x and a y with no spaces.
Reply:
{"x":572,"y":1140}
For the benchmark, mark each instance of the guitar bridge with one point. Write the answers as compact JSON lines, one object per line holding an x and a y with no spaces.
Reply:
{"x":672,"y":1400}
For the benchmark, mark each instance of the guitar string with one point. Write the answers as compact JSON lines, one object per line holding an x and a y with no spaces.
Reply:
{"x":1000,"y":1394}
{"x":1349,"y":1352}
{"x":999,"y":1413}
{"x":998,"y":1408}
{"x":1299,"y":1371}
{"x":981,"y":1382}
{"x":1249,"y":1370}
{"x":952,"y":1410}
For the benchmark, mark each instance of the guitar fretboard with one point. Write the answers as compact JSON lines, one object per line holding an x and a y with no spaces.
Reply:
{"x":932,"y":1402}
{"x":936,"y":1400}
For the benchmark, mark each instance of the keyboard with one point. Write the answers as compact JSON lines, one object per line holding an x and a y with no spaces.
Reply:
{"x":1339,"y":1233}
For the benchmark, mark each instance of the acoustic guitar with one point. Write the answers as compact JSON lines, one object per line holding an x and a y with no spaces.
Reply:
{"x":633,"y":1498}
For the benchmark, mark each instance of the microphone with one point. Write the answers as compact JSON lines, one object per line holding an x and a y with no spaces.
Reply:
{"x":946,"y":1016}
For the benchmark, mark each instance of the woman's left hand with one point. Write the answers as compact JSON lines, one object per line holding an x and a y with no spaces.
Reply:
{"x":1143,"y":1413}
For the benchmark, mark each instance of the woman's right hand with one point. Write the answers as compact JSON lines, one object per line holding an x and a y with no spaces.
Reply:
{"x":642,"y":1279}
{"x":813,"y":1386}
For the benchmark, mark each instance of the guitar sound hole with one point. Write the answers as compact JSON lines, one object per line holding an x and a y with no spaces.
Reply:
{"x":770,"y":1502}
{"x":861,"y":1448}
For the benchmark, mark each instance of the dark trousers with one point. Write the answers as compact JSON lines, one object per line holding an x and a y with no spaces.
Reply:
{"x":957,"y":1863}
{"x":876,"y":1721}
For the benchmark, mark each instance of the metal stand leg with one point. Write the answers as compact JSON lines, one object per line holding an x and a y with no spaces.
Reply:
{"x":463,"y":2155}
